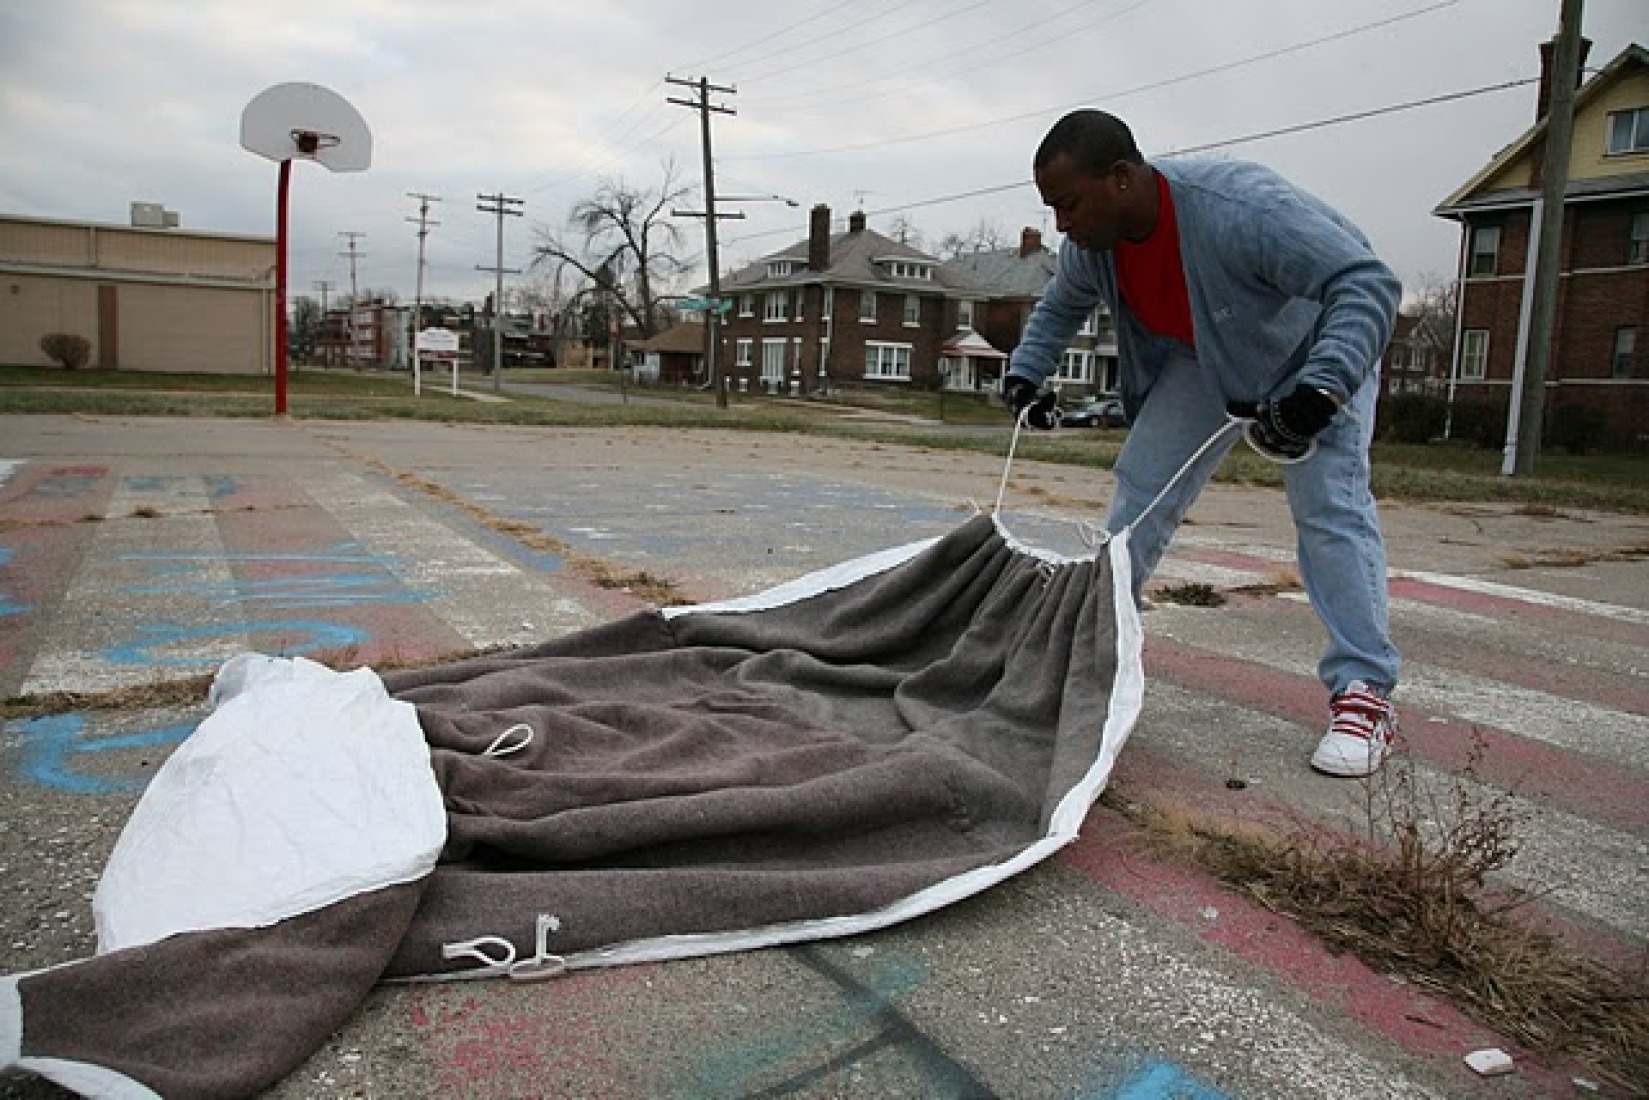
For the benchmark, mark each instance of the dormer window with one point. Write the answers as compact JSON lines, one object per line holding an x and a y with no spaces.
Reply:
{"x":906,"y":269}
{"x":778,"y":269}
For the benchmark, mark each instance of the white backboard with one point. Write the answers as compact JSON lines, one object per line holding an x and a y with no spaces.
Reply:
{"x":306,"y":122}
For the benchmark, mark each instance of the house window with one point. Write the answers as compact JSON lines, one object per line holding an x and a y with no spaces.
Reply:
{"x":901,"y":270}
{"x":776,"y":305}
{"x":1637,"y":239}
{"x":1077,"y":366}
{"x":1628,"y":132}
{"x":747,"y":305}
{"x":741,"y":353}
{"x":1090,"y":324}
{"x":778,"y":269}
{"x":1485,"y":250}
{"x":913,"y":310}
{"x":1626,"y":342}
{"x":801,"y":299}
{"x":829,"y":302}
{"x":773,"y":360}
{"x":889,"y":362}
{"x":1474,"y":353}
{"x":964,"y":314}
{"x":867,"y":306}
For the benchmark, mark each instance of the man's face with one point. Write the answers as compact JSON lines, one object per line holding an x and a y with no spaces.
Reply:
{"x":1087,"y":208}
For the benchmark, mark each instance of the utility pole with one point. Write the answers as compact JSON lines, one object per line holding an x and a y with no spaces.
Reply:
{"x":498,"y":204}
{"x":1529,"y":394}
{"x":704,"y":107}
{"x":323,"y":286}
{"x":424,"y":225}
{"x":354,"y":292}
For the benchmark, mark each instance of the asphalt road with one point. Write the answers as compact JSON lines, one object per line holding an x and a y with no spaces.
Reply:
{"x":137,"y":550}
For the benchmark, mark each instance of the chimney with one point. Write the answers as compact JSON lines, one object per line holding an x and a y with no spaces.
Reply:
{"x":1030,"y":242}
{"x":856,"y":222}
{"x":1548,"y":56}
{"x":818,"y":238}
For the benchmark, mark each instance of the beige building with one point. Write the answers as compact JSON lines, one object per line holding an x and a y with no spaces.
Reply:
{"x":147,"y":298}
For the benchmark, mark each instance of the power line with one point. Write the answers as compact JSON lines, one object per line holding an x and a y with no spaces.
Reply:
{"x":976,"y":62}
{"x":861,"y":43}
{"x":1153,"y":86}
{"x":1226,"y":143}
{"x":727,"y":55}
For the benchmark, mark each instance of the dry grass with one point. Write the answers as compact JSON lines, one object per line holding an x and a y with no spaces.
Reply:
{"x":1409,"y":895}
{"x":1189,"y":594}
{"x":191,"y":690}
{"x":658,"y":591}
{"x":1570,"y":557}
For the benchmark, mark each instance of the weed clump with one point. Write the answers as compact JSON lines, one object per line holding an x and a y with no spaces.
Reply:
{"x":1409,"y":893}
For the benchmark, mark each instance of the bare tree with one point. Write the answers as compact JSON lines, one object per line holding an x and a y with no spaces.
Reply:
{"x":625,"y":248}
{"x":983,"y":236}
{"x":905,"y":231}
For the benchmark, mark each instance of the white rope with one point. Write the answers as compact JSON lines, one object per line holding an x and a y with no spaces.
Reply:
{"x":1087,"y":531}
{"x":498,"y":746}
{"x":1013,"y":444}
{"x":1224,"y":430}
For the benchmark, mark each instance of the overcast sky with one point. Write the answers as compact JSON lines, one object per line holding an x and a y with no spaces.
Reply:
{"x":892,"y":106}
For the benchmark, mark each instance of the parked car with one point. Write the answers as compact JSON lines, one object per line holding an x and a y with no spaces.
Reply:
{"x":1096,"y":412}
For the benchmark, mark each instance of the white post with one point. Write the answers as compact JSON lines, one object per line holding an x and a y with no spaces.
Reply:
{"x":1525,"y":316}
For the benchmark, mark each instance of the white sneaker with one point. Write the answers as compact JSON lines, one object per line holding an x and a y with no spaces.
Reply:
{"x":1359,"y":736}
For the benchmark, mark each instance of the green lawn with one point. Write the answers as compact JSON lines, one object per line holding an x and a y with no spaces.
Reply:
{"x":1436,"y":473}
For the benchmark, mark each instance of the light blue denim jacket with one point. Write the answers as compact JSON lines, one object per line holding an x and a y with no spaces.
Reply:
{"x":1284,"y":291}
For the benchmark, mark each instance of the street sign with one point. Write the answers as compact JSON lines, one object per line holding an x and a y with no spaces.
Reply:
{"x":695,"y":305}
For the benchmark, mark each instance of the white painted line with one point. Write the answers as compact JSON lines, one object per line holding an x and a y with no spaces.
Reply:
{"x":1530,"y":596}
{"x":162,"y":635}
{"x":8,"y":467}
{"x":485,"y":598}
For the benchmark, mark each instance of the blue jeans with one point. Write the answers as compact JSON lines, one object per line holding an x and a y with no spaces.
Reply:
{"x":1341,"y":552}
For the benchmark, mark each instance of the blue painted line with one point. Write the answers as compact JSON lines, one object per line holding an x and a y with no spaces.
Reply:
{"x":9,"y":606}
{"x":318,"y":635}
{"x":50,"y":744}
{"x":1163,"y":1080}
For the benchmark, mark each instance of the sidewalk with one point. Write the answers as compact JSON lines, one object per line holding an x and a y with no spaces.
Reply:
{"x":136,"y":551}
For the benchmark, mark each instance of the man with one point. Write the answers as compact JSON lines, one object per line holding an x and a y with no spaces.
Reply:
{"x":1232,"y":289}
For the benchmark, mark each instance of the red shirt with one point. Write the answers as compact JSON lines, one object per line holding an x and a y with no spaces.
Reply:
{"x":1151,"y":277}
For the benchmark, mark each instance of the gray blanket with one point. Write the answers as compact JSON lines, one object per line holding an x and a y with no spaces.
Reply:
{"x":853,"y":750}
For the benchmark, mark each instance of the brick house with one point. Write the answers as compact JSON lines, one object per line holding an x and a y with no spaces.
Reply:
{"x":1417,"y":358}
{"x":1598,"y":370}
{"x":841,"y":309}
{"x":1012,"y":280}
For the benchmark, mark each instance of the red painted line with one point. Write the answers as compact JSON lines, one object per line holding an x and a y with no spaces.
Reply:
{"x":1115,"y":853}
{"x":299,"y":543}
{"x":1605,"y":792}
{"x":39,"y":494}
{"x":1442,"y":595}
{"x":1511,"y":608}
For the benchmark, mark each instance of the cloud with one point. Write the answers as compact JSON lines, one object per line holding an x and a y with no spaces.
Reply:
{"x":886,"y":104}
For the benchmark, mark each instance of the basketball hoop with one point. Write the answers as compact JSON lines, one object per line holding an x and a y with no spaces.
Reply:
{"x":300,"y":122}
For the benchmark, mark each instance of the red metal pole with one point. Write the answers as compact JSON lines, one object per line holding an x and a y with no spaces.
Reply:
{"x":280,"y":289}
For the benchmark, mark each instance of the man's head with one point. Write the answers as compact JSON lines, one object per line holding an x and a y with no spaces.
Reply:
{"x":1091,"y":174}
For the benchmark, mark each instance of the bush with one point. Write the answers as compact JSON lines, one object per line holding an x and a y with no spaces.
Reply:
{"x":1576,"y":428}
{"x":67,"y":350}
{"x":1416,"y":418}
{"x":1480,"y":423}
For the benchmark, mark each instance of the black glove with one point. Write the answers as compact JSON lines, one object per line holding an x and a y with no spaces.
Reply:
{"x":1284,"y":427}
{"x":1019,"y":394}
